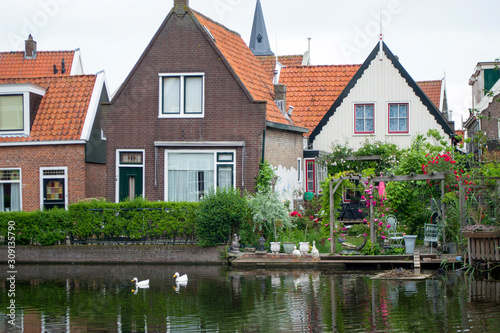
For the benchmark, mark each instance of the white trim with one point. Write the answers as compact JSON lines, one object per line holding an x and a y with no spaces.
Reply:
{"x":117,"y":171}
{"x":162,"y":115}
{"x":299,"y":170}
{"x":40,"y":143}
{"x":94,"y":103}
{"x":20,"y":182}
{"x":199,"y":143}
{"x":66,"y":185}
{"x":187,"y":151}
{"x":77,"y":65}
{"x":10,"y":89}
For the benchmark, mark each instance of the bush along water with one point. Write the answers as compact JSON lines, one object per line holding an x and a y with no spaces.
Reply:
{"x":99,"y":220}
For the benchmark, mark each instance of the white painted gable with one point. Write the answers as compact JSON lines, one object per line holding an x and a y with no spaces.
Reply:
{"x":380,"y":84}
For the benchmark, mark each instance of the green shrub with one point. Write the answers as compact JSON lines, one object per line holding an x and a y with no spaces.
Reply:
{"x":136,"y":219}
{"x":220,"y":214}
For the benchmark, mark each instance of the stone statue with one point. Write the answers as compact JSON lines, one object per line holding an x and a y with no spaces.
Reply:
{"x":235,"y":245}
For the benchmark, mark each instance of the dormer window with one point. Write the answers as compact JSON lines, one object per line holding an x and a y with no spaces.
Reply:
{"x":259,"y":38}
{"x":16,"y":102}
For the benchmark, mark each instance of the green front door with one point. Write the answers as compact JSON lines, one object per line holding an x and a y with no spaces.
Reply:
{"x":130,"y":183}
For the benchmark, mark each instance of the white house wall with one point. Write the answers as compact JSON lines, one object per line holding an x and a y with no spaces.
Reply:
{"x":287,"y":183}
{"x":380,"y":84}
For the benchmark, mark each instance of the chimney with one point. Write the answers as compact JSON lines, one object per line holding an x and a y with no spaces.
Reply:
{"x":181,"y":7}
{"x":30,"y":48}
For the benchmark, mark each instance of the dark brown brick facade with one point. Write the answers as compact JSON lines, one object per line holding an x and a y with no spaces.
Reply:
{"x":131,"y":121}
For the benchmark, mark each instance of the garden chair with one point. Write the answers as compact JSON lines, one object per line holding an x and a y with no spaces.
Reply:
{"x":431,"y":233}
{"x":395,"y":237}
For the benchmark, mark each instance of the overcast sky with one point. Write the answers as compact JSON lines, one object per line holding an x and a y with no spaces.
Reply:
{"x":432,"y":38}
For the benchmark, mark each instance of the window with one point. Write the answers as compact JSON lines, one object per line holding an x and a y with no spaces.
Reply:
{"x":364,"y":118}
{"x":181,"y":95}
{"x":398,"y":118}
{"x":310,"y":176}
{"x":53,"y":187}
{"x":11,"y":113}
{"x":191,"y":174}
{"x":10,"y":190}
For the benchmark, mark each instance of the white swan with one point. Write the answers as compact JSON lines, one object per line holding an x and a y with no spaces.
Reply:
{"x":141,"y":284}
{"x":314,"y":252}
{"x":296,"y":254}
{"x":179,"y":278}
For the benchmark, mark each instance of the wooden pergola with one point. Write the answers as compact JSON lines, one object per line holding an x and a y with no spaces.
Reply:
{"x":370,"y":182}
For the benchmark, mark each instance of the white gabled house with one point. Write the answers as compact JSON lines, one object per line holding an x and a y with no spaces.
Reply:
{"x":381,"y":102}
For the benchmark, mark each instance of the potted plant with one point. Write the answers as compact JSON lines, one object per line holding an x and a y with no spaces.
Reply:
{"x":269,"y":215}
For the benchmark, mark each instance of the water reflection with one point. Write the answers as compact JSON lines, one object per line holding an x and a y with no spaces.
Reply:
{"x":102,"y":298}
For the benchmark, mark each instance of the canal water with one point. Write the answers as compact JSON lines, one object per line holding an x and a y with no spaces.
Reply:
{"x":84,"y":298}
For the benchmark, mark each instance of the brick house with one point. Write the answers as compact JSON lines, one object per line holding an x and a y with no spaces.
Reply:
{"x":484,"y":114}
{"x":197,"y":111}
{"x":51,"y":149}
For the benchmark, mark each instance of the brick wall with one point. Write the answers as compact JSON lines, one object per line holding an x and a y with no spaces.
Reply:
{"x":116,"y":254}
{"x":489,"y":123}
{"x":283,"y":148}
{"x":95,"y":185}
{"x":31,"y":158}
{"x":131,"y":121}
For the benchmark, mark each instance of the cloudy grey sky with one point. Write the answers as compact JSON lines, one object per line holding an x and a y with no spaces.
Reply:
{"x":430,"y":37}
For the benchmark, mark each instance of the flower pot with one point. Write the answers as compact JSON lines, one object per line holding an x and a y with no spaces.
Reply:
{"x":410,"y":243}
{"x":275,"y":247}
{"x":304,"y":247}
{"x":288,"y":247}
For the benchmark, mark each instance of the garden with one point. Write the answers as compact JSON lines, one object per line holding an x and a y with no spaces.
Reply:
{"x":463,"y":200}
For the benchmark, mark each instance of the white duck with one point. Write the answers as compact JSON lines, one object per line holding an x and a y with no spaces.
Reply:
{"x":180,"y":278}
{"x":141,"y":284}
{"x":296,"y":254}
{"x":314,"y":252}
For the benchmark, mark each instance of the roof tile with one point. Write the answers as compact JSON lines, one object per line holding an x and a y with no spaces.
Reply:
{"x":245,"y":65}
{"x":13,"y":64}
{"x":433,"y":90}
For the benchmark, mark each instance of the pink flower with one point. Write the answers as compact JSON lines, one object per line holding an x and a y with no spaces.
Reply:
{"x":388,"y":226}
{"x":380,"y":224}
{"x":329,"y":239}
{"x":383,"y":237}
{"x":326,"y":225}
{"x":360,"y":211}
{"x":365,"y":220}
{"x":375,"y":220}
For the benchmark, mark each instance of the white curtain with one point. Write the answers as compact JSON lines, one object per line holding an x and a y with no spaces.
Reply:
{"x":225,"y":176}
{"x":171,"y":95}
{"x":190,"y":175}
{"x":193,"y":92}
{"x":15,"y":197}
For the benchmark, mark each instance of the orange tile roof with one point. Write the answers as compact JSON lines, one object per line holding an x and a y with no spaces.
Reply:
{"x":63,"y":109}
{"x":269,"y":62}
{"x":312,"y":90}
{"x":13,"y":64}
{"x":245,"y":65}
{"x":433,"y":90}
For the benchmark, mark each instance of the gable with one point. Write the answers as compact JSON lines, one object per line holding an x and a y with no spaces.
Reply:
{"x":396,"y":70}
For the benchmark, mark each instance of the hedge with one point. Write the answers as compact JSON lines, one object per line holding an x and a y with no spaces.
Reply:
{"x":97,"y":219}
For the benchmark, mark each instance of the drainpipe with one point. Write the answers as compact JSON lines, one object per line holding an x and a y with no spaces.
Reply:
{"x":263,"y":145}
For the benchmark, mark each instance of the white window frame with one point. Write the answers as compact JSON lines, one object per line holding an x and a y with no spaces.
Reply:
{"x":24,"y":90}
{"x":181,"y":113}
{"x":20,"y":182}
{"x":66,"y":185}
{"x":299,"y":170}
{"x":389,"y":132}
{"x":216,"y":163}
{"x":364,"y":132}
{"x":117,"y":170}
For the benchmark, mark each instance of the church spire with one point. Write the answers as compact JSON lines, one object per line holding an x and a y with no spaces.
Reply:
{"x":259,"y":42}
